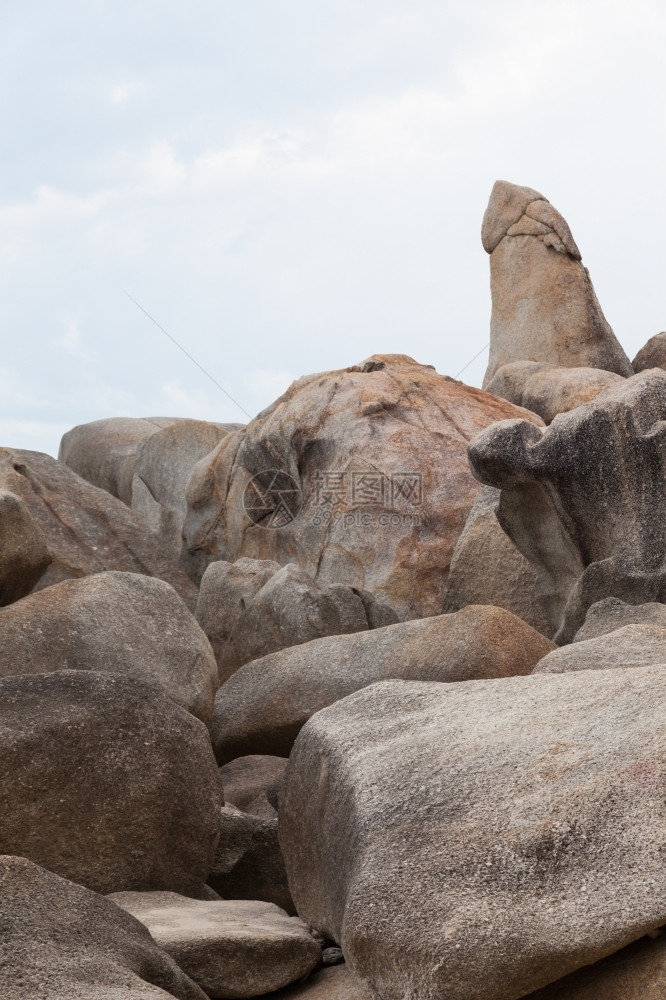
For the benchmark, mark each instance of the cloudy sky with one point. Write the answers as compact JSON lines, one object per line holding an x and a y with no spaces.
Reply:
{"x":289,"y":186}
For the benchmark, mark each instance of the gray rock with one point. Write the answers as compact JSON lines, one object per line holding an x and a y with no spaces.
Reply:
{"x":247,"y":778}
{"x":249,"y":863}
{"x":103,"y":451}
{"x":107,"y":782}
{"x":60,"y":941}
{"x":629,"y":646}
{"x":479,"y":841}
{"x":163,"y":465}
{"x":86,"y":529}
{"x":612,"y":613}
{"x":24,"y":554}
{"x":287,"y":610}
{"x":358,"y":476}
{"x":547,"y":389}
{"x":634,"y":973}
{"x":335,"y":983}
{"x":487,"y":568}
{"x":118,"y":623}
{"x":652,"y":354}
{"x":262,"y":707}
{"x":231,"y":948}
{"x":543,"y":303}
{"x":583,"y":500}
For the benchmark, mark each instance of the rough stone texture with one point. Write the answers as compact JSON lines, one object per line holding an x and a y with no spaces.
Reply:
{"x":24,"y":554}
{"x":612,"y":613}
{"x":107,"y":782}
{"x":548,"y":390}
{"x":347,"y":505}
{"x":630,"y":646}
{"x":478,"y":841}
{"x":583,"y":500}
{"x":231,"y":948}
{"x":336,"y":983}
{"x":249,"y":862}
{"x":637,"y":972}
{"x":262,"y":707}
{"x":543,"y":304}
{"x":60,"y":941}
{"x":120,"y":623}
{"x":87,"y":530}
{"x":247,"y":778}
{"x":162,"y":468}
{"x":652,"y":354}
{"x":487,"y":568}
{"x":103,"y":451}
{"x":288,"y":610}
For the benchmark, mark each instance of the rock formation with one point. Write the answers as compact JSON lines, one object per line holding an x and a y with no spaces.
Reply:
{"x":358,"y":476}
{"x":544,"y":306}
{"x":548,"y":390}
{"x":583,"y":500}
{"x":652,"y":354}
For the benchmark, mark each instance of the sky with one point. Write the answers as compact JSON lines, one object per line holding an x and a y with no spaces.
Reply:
{"x":290,"y":186}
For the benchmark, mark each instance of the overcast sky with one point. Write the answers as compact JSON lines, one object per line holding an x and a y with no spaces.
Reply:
{"x":289,"y":186}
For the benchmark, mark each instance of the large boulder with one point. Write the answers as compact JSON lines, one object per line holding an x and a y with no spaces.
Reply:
{"x":487,"y":568}
{"x":107,"y":782}
{"x":103,"y":451}
{"x":630,"y":646}
{"x":231,"y":948}
{"x":288,"y":610}
{"x":24,"y":554}
{"x":612,"y":613}
{"x":333,"y":983}
{"x":547,"y":389}
{"x":358,"y":476}
{"x":652,"y":354}
{"x":478,"y":841}
{"x":87,"y":530}
{"x":262,"y":707}
{"x":637,"y":972}
{"x":163,"y":464}
{"x":248,"y":779}
{"x":249,"y":863}
{"x":543,"y":303}
{"x":120,"y":623}
{"x":60,"y":941}
{"x":583,"y":500}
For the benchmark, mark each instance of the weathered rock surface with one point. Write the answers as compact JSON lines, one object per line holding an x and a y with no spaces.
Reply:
{"x":60,"y":941}
{"x":583,"y":500}
{"x":103,"y":451}
{"x":336,"y":983}
{"x":652,"y":354}
{"x":262,"y":707}
{"x":288,"y":610}
{"x":231,"y":948}
{"x":249,"y":863}
{"x":479,"y":841}
{"x":120,"y":623}
{"x":637,"y":972}
{"x":246,"y":779}
{"x":487,"y":568}
{"x":612,"y":613}
{"x":630,"y":646}
{"x":543,"y":304}
{"x":359,"y":476}
{"x":163,"y":465}
{"x":24,"y":554}
{"x":548,"y":390}
{"x":107,"y":782}
{"x":87,"y":530}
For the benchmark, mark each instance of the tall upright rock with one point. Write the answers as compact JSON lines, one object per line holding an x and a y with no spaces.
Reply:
{"x":544,"y":306}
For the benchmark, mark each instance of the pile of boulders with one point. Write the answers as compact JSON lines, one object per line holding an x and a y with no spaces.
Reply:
{"x":360,"y":701}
